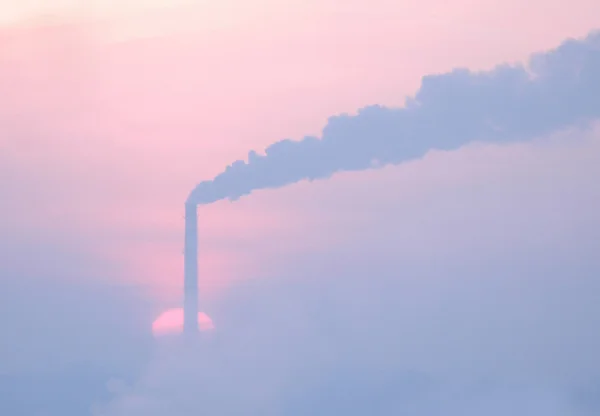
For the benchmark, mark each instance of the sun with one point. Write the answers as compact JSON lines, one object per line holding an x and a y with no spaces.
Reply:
{"x":171,"y":322}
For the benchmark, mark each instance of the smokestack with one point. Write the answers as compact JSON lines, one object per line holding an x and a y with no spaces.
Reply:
{"x":190,"y":265}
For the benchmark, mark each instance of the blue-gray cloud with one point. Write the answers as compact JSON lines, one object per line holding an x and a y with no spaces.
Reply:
{"x":497,"y":316}
{"x":66,"y":331}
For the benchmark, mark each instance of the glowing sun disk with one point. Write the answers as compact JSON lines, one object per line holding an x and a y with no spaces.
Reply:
{"x":171,"y":322}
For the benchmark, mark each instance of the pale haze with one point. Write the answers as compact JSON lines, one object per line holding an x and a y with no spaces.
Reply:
{"x":411,"y":226}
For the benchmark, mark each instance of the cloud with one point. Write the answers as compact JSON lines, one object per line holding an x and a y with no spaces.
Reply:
{"x":556,"y":89}
{"x":66,"y":330}
{"x":471,"y":291}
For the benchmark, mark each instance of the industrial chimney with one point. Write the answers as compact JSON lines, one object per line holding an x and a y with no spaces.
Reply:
{"x":190,"y":266}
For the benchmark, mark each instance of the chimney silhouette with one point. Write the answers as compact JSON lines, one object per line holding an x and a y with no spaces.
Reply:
{"x":190,"y":267}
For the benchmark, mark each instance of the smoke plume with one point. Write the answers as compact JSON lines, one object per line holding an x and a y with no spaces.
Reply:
{"x":508,"y":103}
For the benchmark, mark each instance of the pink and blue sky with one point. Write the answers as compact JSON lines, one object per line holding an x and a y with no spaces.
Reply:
{"x":111,"y":112}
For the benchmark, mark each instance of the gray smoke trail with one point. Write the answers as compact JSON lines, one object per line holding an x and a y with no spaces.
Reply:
{"x":557,"y":88}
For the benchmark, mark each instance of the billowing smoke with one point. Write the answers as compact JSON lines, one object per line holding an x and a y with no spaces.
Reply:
{"x":509,"y":103}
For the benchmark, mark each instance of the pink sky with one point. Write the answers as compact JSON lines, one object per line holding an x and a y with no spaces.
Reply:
{"x":104,"y":138}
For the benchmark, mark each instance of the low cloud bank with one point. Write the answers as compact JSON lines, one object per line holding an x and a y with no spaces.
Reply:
{"x":499,"y":318}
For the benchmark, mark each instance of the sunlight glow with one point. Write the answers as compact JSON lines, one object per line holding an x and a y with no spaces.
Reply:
{"x":171,"y":322}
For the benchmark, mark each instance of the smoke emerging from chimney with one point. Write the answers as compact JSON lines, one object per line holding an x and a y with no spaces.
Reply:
{"x":509,"y":103}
